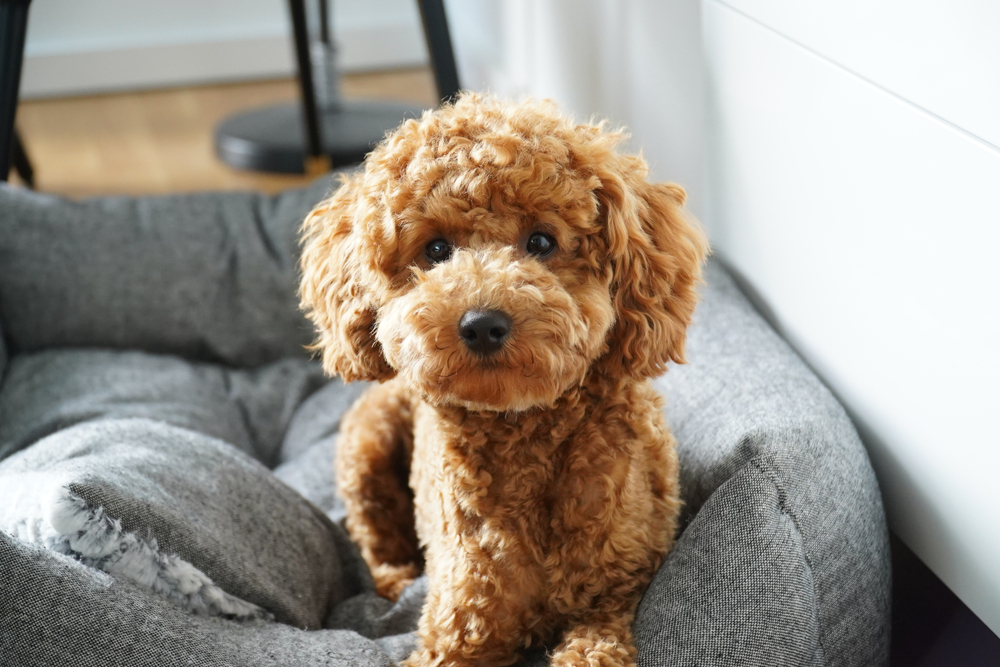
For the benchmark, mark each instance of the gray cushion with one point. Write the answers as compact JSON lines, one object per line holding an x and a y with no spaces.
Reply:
{"x":126,"y":495}
{"x":204,"y":276}
{"x":166,"y":494}
{"x":250,"y":408}
{"x":787,"y":547}
{"x":55,"y":612}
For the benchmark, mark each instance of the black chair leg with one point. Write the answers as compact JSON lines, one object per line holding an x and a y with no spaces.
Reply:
{"x":310,"y":109}
{"x":284,"y":138}
{"x":19,"y":158}
{"x":13,"y":25}
{"x":435,"y":21}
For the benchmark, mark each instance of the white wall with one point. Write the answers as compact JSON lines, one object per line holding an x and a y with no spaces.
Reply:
{"x":76,"y":47}
{"x":854,"y":172}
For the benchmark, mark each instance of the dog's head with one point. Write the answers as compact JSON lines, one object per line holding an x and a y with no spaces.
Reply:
{"x":493,"y":254}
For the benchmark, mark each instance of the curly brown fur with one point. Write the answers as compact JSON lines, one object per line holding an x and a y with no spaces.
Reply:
{"x":538,"y":482}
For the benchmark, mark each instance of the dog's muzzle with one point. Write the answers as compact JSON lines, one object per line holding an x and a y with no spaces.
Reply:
{"x":484,"y":331}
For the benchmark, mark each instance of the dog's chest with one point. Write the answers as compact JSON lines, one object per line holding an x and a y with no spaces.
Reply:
{"x":532,"y":484}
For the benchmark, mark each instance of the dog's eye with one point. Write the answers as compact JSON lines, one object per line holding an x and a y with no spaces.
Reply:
{"x":437,"y":251}
{"x":541,"y":244}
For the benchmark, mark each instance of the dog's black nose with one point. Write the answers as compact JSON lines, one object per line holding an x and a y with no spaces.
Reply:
{"x":484,"y":331}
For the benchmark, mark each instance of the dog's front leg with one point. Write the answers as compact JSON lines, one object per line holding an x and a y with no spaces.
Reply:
{"x":373,"y":462}
{"x":478,"y":612}
{"x":603,"y":638}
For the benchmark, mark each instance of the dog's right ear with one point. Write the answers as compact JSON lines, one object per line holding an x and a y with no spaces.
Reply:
{"x":333,"y":291}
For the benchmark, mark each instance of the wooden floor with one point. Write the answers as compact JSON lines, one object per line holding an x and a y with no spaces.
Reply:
{"x":161,"y":141}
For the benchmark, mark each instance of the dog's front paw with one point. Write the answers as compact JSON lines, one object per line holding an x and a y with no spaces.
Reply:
{"x":390,"y":580}
{"x":600,"y":653}
{"x":607,"y":644}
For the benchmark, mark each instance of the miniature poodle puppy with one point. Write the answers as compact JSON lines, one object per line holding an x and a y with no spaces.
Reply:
{"x":512,"y":282}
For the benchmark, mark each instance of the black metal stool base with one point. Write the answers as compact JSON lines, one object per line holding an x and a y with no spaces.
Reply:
{"x":273,"y":138}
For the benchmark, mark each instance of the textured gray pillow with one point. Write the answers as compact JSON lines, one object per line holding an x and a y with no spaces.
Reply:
{"x":205,"y":276}
{"x":182,"y":514}
{"x":785,"y":559}
{"x":131,"y":480}
{"x":249,"y":408}
{"x":54,"y":612}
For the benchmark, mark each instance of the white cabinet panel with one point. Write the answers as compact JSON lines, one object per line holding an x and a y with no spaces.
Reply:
{"x":872,"y":229}
{"x":942,"y":55}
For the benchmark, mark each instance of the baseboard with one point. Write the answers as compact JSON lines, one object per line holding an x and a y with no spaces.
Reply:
{"x":160,"y":66}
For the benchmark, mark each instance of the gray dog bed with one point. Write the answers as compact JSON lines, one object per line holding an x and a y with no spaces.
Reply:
{"x":166,"y":495}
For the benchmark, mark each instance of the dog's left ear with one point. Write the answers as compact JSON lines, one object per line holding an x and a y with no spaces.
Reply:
{"x":656,"y":250}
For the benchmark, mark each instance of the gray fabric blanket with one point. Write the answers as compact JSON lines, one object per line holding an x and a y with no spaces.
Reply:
{"x":166,"y":447}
